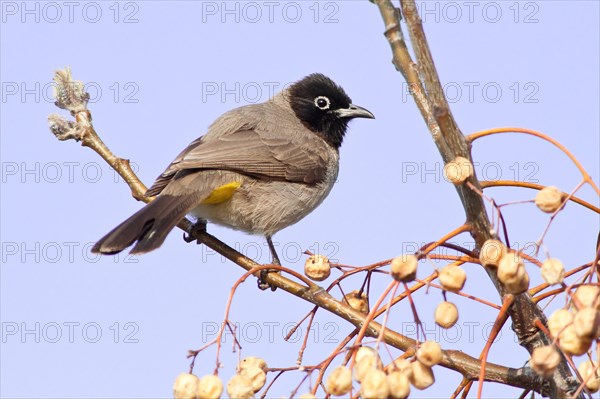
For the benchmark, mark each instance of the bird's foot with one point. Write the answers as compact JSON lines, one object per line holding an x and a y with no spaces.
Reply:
{"x":262,"y":280}
{"x":199,"y":226}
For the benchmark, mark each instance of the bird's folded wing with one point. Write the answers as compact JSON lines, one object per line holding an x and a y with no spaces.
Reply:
{"x":264,"y":156}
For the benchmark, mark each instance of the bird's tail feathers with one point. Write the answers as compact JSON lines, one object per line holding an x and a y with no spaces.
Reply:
{"x":149,"y":226}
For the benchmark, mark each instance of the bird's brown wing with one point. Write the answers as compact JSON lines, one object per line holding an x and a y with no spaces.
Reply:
{"x":264,"y":156}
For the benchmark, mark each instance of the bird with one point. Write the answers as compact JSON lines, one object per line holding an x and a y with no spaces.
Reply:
{"x":259,"y":168}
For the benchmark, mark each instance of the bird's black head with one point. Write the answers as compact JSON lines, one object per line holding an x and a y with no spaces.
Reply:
{"x":324,"y":107}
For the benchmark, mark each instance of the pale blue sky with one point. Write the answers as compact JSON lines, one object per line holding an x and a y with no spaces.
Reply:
{"x":75,"y":325}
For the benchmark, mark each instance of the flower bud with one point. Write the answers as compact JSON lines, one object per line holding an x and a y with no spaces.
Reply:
{"x":240,"y":387}
{"x":549,"y":199}
{"x":317,"y":267}
{"x":544,"y":360}
{"x":404,"y":268}
{"x":339,"y":381}
{"x":458,"y":170}
{"x":553,"y":271}
{"x":185,"y":386}
{"x":446,"y":314}
{"x":429,"y":353}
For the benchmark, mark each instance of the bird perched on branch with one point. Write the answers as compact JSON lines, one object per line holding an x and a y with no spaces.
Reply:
{"x":259,"y":168}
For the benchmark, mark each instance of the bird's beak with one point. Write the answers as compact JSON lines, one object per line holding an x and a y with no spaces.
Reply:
{"x":354,"y":111}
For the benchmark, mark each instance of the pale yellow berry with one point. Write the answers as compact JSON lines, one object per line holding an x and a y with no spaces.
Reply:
{"x":185,"y":386}
{"x":404,"y":268}
{"x":429,"y":353}
{"x":256,"y":375}
{"x":307,"y":396}
{"x":422,"y":376}
{"x":210,"y":387}
{"x":571,"y":343}
{"x":402,"y":365}
{"x":339,"y":381}
{"x":358,"y":301}
{"x":590,"y":373}
{"x":317,"y":267}
{"x":253,"y":361}
{"x":398,"y":384}
{"x":491,"y":252}
{"x":553,"y":271}
{"x":365,"y":360}
{"x":374,"y":385}
{"x":588,"y":295}
{"x":446,"y":314}
{"x":558,"y":321}
{"x":549,"y":199}
{"x":458,"y":170}
{"x":587,"y":323}
{"x":452,"y":278}
{"x":544,"y":360}
{"x":512,"y":273}
{"x":240,"y":387}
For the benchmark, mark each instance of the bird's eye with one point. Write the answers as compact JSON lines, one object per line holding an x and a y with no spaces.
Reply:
{"x":322,"y":102}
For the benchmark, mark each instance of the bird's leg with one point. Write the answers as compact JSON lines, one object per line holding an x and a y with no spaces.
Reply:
{"x":200,"y":225}
{"x":262,"y":284}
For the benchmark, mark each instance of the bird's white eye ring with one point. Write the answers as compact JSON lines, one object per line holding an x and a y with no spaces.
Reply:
{"x":322,"y":102}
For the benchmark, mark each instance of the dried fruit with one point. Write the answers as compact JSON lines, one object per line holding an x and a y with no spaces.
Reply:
{"x":365,"y":360}
{"x":591,"y":377}
{"x":404,"y":268}
{"x":398,"y":384}
{"x":512,"y":273}
{"x":446,"y":314}
{"x":402,"y":365}
{"x":422,"y":376}
{"x":491,"y":252}
{"x":458,"y":170}
{"x":256,"y":375}
{"x":571,"y":343}
{"x":558,"y":321}
{"x":358,"y":301}
{"x":339,"y":381}
{"x":452,"y":278}
{"x":253,"y":361}
{"x":587,"y":323}
{"x":374,"y":385}
{"x":210,"y":387}
{"x":549,"y":199}
{"x":240,"y":387}
{"x":553,"y":271}
{"x":185,"y":386}
{"x":544,"y":360}
{"x":317,"y":267}
{"x":429,"y":353}
{"x":588,"y":295}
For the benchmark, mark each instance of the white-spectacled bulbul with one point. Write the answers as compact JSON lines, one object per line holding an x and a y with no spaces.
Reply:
{"x":259,"y":168}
